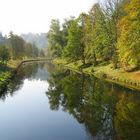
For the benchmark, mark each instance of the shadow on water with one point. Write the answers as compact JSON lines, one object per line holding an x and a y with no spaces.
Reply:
{"x":108,"y":111}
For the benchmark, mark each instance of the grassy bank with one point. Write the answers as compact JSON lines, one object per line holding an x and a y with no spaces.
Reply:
{"x":105,"y":71}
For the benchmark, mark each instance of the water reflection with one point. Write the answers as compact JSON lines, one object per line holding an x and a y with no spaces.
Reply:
{"x":30,"y":71}
{"x":108,"y":112}
{"x":27,"y":115}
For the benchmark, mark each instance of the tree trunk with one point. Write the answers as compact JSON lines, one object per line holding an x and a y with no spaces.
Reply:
{"x":94,"y":59}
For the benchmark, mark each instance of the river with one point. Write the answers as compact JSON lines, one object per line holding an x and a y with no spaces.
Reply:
{"x":47,"y":102}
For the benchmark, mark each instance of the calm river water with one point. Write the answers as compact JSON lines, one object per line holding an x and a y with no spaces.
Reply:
{"x":47,"y":102}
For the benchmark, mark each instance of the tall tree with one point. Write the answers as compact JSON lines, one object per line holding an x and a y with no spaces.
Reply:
{"x":4,"y":54}
{"x":113,"y":10}
{"x":65,"y":27}
{"x":18,"y":45}
{"x":100,"y":43}
{"x":54,"y":36}
{"x":129,"y":40}
{"x":75,"y":45}
{"x":29,"y":50}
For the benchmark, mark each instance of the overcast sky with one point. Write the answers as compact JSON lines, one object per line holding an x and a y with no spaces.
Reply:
{"x":23,"y":16}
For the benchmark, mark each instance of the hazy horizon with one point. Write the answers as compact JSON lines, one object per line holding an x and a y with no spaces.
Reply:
{"x":28,"y":16}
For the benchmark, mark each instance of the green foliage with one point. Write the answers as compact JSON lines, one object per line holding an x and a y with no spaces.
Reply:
{"x":129,"y":40}
{"x":65,"y":28}
{"x":41,"y":53}
{"x":17,"y":45}
{"x":16,"y":48}
{"x":74,"y":46}
{"x":29,"y":50}
{"x":101,"y":44}
{"x":4,"y":54}
{"x":4,"y":79}
{"x":57,"y":38}
{"x":108,"y":33}
{"x":54,"y":36}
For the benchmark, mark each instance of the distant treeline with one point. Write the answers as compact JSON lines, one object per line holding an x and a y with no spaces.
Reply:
{"x":14,"y":47}
{"x":110,"y":33}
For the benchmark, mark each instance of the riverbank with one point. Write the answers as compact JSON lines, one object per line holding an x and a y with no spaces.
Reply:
{"x":105,"y":71}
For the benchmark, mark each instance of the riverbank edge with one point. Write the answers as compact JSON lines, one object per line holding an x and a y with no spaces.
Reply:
{"x":15,"y":67}
{"x":104,"y":75}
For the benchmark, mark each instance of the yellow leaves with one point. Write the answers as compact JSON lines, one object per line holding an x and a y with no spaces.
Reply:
{"x":133,"y":6}
{"x":129,"y":40}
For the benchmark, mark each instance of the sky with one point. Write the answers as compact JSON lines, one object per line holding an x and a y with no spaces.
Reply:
{"x":23,"y":16}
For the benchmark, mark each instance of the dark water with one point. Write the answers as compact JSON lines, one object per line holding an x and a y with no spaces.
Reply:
{"x":50,"y":103}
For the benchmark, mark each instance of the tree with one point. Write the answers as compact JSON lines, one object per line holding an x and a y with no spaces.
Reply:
{"x":17,"y":44}
{"x":88,"y":38}
{"x":129,"y":39}
{"x":35,"y":50}
{"x":29,"y":50}
{"x":75,"y":45}
{"x":65,"y":27}
{"x":54,"y":36}
{"x":113,"y":10}
{"x":41,"y":53}
{"x":4,"y":54}
{"x":97,"y":35}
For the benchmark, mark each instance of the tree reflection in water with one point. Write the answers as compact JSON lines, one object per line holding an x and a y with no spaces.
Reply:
{"x":108,"y":112}
{"x":28,"y":71}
